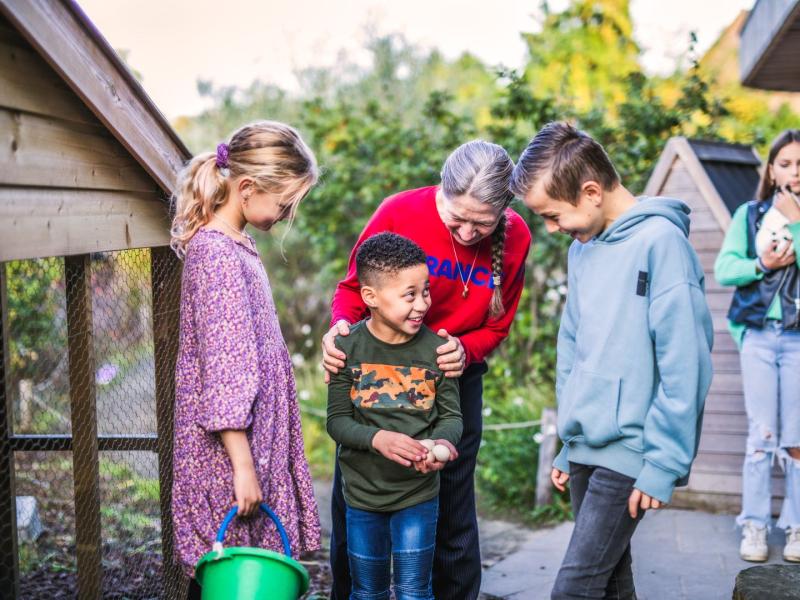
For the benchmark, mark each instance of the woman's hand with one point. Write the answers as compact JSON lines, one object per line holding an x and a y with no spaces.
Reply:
{"x":246,"y":488}
{"x":778,"y":260}
{"x":452,"y":357}
{"x":559,"y":479}
{"x":398,"y":447}
{"x":333,"y":358}
{"x":787,"y":206}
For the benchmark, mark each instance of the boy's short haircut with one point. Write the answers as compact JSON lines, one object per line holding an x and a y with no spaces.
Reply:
{"x":385,"y":254}
{"x":568,"y":158}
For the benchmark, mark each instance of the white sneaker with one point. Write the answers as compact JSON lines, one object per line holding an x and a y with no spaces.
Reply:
{"x":754,"y":543}
{"x":791,"y":552}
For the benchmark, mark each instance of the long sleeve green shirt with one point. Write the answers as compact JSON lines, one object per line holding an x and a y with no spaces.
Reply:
{"x":733,"y":267}
{"x":396,"y":387}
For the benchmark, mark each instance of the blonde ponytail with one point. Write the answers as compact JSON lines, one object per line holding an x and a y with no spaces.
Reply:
{"x":272,"y":154}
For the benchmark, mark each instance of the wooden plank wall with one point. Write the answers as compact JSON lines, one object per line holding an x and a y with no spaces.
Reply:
{"x":716,"y":478}
{"x":66,"y":185}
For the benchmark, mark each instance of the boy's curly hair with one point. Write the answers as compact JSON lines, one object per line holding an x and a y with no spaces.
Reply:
{"x":384,"y":254}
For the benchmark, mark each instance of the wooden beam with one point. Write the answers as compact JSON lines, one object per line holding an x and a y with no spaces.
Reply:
{"x":38,"y":222}
{"x":85,"y":464}
{"x":661,"y":172}
{"x":547,"y":452}
{"x":63,"y":443}
{"x":715,"y":203}
{"x":28,"y":84}
{"x":166,"y":285}
{"x":9,"y":560}
{"x":45,"y":152}
{"x":68,"y":41}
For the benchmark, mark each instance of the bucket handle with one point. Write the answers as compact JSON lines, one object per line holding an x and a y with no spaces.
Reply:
{"x":287,"y":549}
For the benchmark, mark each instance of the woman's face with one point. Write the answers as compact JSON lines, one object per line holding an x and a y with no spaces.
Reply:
{"x":469,"y":220}
{"x":786,"y":168}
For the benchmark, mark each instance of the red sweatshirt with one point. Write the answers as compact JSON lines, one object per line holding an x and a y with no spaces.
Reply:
{"x":413,"y":214}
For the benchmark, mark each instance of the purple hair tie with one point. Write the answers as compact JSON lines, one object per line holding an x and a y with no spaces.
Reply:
{"x":222,"y":156}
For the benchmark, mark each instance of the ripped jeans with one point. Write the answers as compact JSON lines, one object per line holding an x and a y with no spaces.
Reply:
{"x":770,"y":359}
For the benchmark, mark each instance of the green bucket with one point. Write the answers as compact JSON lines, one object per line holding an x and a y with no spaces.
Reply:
{"x":250,"y":573}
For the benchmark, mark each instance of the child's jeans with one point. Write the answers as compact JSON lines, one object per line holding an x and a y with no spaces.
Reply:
{"x":598,"y":559}
{"x":406,"y":537}
{"x":770,"y":361}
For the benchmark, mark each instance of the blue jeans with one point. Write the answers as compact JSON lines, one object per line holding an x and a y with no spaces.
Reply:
{"x":770,"y":361}
{"x":405,"y":537}
{"x":598,"y":560}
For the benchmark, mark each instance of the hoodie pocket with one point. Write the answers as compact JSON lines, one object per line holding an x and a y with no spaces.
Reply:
{"x":588,"y":408}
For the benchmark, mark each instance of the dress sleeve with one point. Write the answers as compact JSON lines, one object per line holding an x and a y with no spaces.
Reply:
{"x":226,"y":339}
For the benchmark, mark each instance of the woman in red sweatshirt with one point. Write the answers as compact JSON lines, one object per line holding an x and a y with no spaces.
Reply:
{"x":476,"y":248}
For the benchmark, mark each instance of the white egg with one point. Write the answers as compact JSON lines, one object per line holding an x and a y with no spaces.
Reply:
{"x":442,"y":453}
{"x":429,"y":444}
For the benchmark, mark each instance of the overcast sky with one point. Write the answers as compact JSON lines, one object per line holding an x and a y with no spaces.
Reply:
{"x":173,"y":43}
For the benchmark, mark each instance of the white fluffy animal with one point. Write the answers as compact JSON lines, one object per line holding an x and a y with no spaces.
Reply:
{"x":773,"y":233}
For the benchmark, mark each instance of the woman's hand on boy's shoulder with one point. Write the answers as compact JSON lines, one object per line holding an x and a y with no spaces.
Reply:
{"x":333,"y":358}
{"x":452,"y":357}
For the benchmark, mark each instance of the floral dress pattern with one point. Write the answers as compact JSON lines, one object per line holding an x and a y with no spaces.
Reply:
{"x":234,"y":372}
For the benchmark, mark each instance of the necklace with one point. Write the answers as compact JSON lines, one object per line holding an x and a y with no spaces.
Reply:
{"x":464,"y":280}
{"x":241,"y":233}
{"x":231,"y":227}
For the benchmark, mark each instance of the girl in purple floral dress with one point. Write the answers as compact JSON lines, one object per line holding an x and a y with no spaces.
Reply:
{"x":237,"y":425}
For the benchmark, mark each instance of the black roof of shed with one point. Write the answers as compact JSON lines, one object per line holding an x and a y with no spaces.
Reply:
{"x":732,"y":168}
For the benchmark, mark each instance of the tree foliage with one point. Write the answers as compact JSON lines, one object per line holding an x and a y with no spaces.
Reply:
{"x":386,"y":128}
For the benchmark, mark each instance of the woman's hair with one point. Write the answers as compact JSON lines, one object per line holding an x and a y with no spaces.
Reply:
{"x":482,"y":170}
{"x":272,"y":154}
{"x":766,"y":187}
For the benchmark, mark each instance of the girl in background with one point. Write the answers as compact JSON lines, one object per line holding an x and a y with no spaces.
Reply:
{"x":765,"y":322}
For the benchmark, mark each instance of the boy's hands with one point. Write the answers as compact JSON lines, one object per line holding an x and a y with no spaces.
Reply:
{"x":639,"y":499}
{"x":559,"y":479}
{"x":333,"y":358}
{"x":398,"y":447}
{"x":430,"y":464}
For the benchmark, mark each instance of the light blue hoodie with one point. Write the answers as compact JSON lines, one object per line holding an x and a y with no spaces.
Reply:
{"x":634,"y":349}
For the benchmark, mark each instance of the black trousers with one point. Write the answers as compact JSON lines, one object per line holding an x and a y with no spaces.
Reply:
{"x":598,"y":561}
{"x":457,"y":560}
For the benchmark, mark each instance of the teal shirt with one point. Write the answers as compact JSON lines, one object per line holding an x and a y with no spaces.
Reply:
{"x":734,"y":268}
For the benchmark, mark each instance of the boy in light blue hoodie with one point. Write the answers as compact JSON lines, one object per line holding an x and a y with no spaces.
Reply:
{"x":634,"y":352}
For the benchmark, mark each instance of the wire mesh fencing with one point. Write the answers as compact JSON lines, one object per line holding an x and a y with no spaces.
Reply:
{"x":88,"y":358}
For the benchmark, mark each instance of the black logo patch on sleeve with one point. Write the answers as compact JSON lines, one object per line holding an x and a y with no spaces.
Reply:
{"x":641,"y":284}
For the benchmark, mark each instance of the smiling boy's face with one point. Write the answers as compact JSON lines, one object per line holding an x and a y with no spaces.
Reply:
{"x":582,"y":221}
{"x":398,"y":301}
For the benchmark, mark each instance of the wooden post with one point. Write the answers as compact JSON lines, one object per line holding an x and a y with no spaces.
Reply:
{"x":547,"y":452}
{"x":9,"y":562}
{"x":165,"y":269}
{"x":85,"y":462}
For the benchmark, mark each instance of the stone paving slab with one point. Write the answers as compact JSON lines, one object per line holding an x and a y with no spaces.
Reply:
{"x":677,"y":555}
